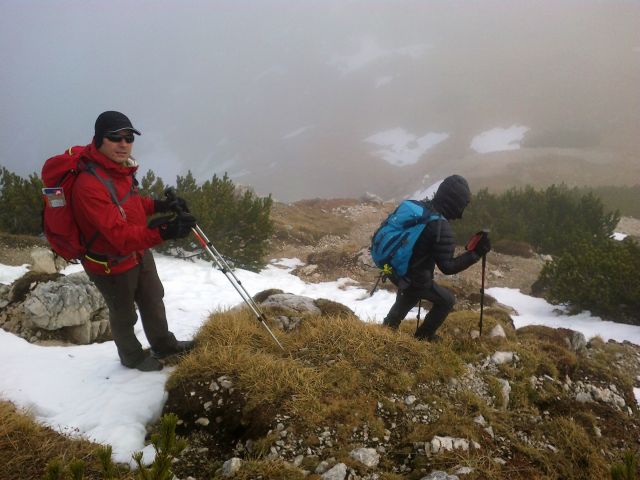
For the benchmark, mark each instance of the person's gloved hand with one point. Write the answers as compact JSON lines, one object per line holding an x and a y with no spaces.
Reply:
{"x":484,"y":245}
{"x":174,"y":226}
{"x":177,"y":204}
{"x":479,"y":243}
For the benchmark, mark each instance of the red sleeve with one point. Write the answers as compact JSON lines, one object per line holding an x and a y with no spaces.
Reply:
{"x":94,"y":210}
{"x":147,"y":204}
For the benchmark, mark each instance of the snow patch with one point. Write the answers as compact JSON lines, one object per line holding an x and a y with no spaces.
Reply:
{"x":619,"y":236}
{"x":9,"y":273}
{"x":403,"y":148}
{"x":499,"y":139}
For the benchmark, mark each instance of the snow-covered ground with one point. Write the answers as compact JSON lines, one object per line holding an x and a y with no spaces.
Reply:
{"x":402,"y":148}
{"x":499,"y":139}
{"x":83,"y":390}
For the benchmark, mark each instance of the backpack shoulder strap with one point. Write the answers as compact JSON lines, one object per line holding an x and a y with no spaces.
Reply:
{"x":431,"y":217}
{"x":92,"y":168}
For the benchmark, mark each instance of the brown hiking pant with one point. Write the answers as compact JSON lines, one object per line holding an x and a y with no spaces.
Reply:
{"x":139,"y":286}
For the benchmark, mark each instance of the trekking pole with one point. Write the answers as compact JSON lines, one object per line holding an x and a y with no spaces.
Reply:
{"x":224,"y":267}
{"x":484,"y":265}
{"x":485,"y":231}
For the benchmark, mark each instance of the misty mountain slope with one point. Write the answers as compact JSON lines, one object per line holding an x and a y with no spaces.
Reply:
{"x":284,"y":95}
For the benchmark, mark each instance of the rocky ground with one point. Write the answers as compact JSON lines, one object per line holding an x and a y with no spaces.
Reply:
{"x":336,"y":245}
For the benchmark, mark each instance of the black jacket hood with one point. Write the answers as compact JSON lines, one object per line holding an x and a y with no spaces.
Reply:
{"x":452,"y":197}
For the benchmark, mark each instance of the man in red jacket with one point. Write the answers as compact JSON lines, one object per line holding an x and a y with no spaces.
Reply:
{"x":112,"y":218}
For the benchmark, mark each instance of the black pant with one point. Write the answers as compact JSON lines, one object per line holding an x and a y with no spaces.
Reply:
{"x":139,"y":286}
{"x":443,"y":301}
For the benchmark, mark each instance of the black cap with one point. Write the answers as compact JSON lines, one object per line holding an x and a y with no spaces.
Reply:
{"x":452,"y":197}
{"x":111,"y":121}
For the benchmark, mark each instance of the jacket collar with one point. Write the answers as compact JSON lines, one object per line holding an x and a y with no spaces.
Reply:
{"x":92,"y":154}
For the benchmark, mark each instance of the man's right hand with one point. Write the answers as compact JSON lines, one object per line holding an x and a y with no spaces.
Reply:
{"x":484,"y":245}
{"x":178,"y":227}
{"x":479,"y":243}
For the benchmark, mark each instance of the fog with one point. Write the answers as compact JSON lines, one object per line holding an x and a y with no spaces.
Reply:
{"x":282,"y":95}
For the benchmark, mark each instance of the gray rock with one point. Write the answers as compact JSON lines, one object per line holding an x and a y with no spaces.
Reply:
{"x":440,"y":475}
{"x":322,"y":467}
{"x":293,"y":302}
{"x":367,"y":456}
{"x":231,"y":466}
{"x":43,"y":261}
{"x":464,"y":471}
{"x":503,"y":357}
{"x":578,"y":341}
{"x":497,"y":331}
{"x":73,"y":300}
{"x":338,"y":472}
{"x":506,"y":391}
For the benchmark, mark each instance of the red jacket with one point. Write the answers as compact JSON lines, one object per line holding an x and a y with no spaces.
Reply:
{"x":121,"y":239}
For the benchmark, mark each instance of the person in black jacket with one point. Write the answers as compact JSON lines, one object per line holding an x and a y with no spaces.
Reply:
{"x":436,"y":246}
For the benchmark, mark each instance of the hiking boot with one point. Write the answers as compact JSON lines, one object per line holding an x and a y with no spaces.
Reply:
{"x":431,"y":338}
{"x":181,"y":347}
{"x":391,"y":323}
{"x":149,"y":364}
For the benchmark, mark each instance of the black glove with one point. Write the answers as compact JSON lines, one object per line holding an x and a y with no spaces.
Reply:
{"x":479,"y":243}
{"x":178,"y":227}
{"x":177,"y":204}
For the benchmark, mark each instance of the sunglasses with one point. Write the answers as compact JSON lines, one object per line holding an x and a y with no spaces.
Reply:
{"x":115,"y":138}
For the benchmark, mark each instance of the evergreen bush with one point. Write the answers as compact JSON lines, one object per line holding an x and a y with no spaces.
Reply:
{"x":600,"y":276}
{"x":234,"y":219}
{"x":166,"y":444}
{"x":21,"y":201}
{"x":548,"y":220}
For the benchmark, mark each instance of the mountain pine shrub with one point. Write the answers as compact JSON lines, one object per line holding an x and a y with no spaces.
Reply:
{"x":600,"y":276}
{"x":548,"y":220}
{"x":236,"y":220}
{"x":21,"y":201}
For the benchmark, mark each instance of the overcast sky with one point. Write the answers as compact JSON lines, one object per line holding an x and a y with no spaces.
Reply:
{"x":217,"y":86}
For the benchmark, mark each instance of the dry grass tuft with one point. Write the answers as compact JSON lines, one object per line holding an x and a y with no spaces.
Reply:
{"x":27,"y":447}
{"x":332,"y":367}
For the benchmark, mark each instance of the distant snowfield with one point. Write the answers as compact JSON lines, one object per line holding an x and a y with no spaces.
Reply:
{"x":499,"y":139}
{"x":402,"y":148}
{"x":297,"y":132}
{"x":84,"y":391}
{"x":370,"y":52}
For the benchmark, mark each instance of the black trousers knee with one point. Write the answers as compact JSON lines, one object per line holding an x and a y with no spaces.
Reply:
{"x":441,"y":298}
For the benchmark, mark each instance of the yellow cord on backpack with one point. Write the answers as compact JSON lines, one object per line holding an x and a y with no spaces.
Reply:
{"x":107,"y":269}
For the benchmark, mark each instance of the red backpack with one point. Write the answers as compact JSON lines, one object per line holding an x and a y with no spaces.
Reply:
{"x":59,"y":173}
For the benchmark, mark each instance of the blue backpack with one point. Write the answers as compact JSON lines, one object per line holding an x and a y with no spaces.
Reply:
{"x":392,"y":244}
